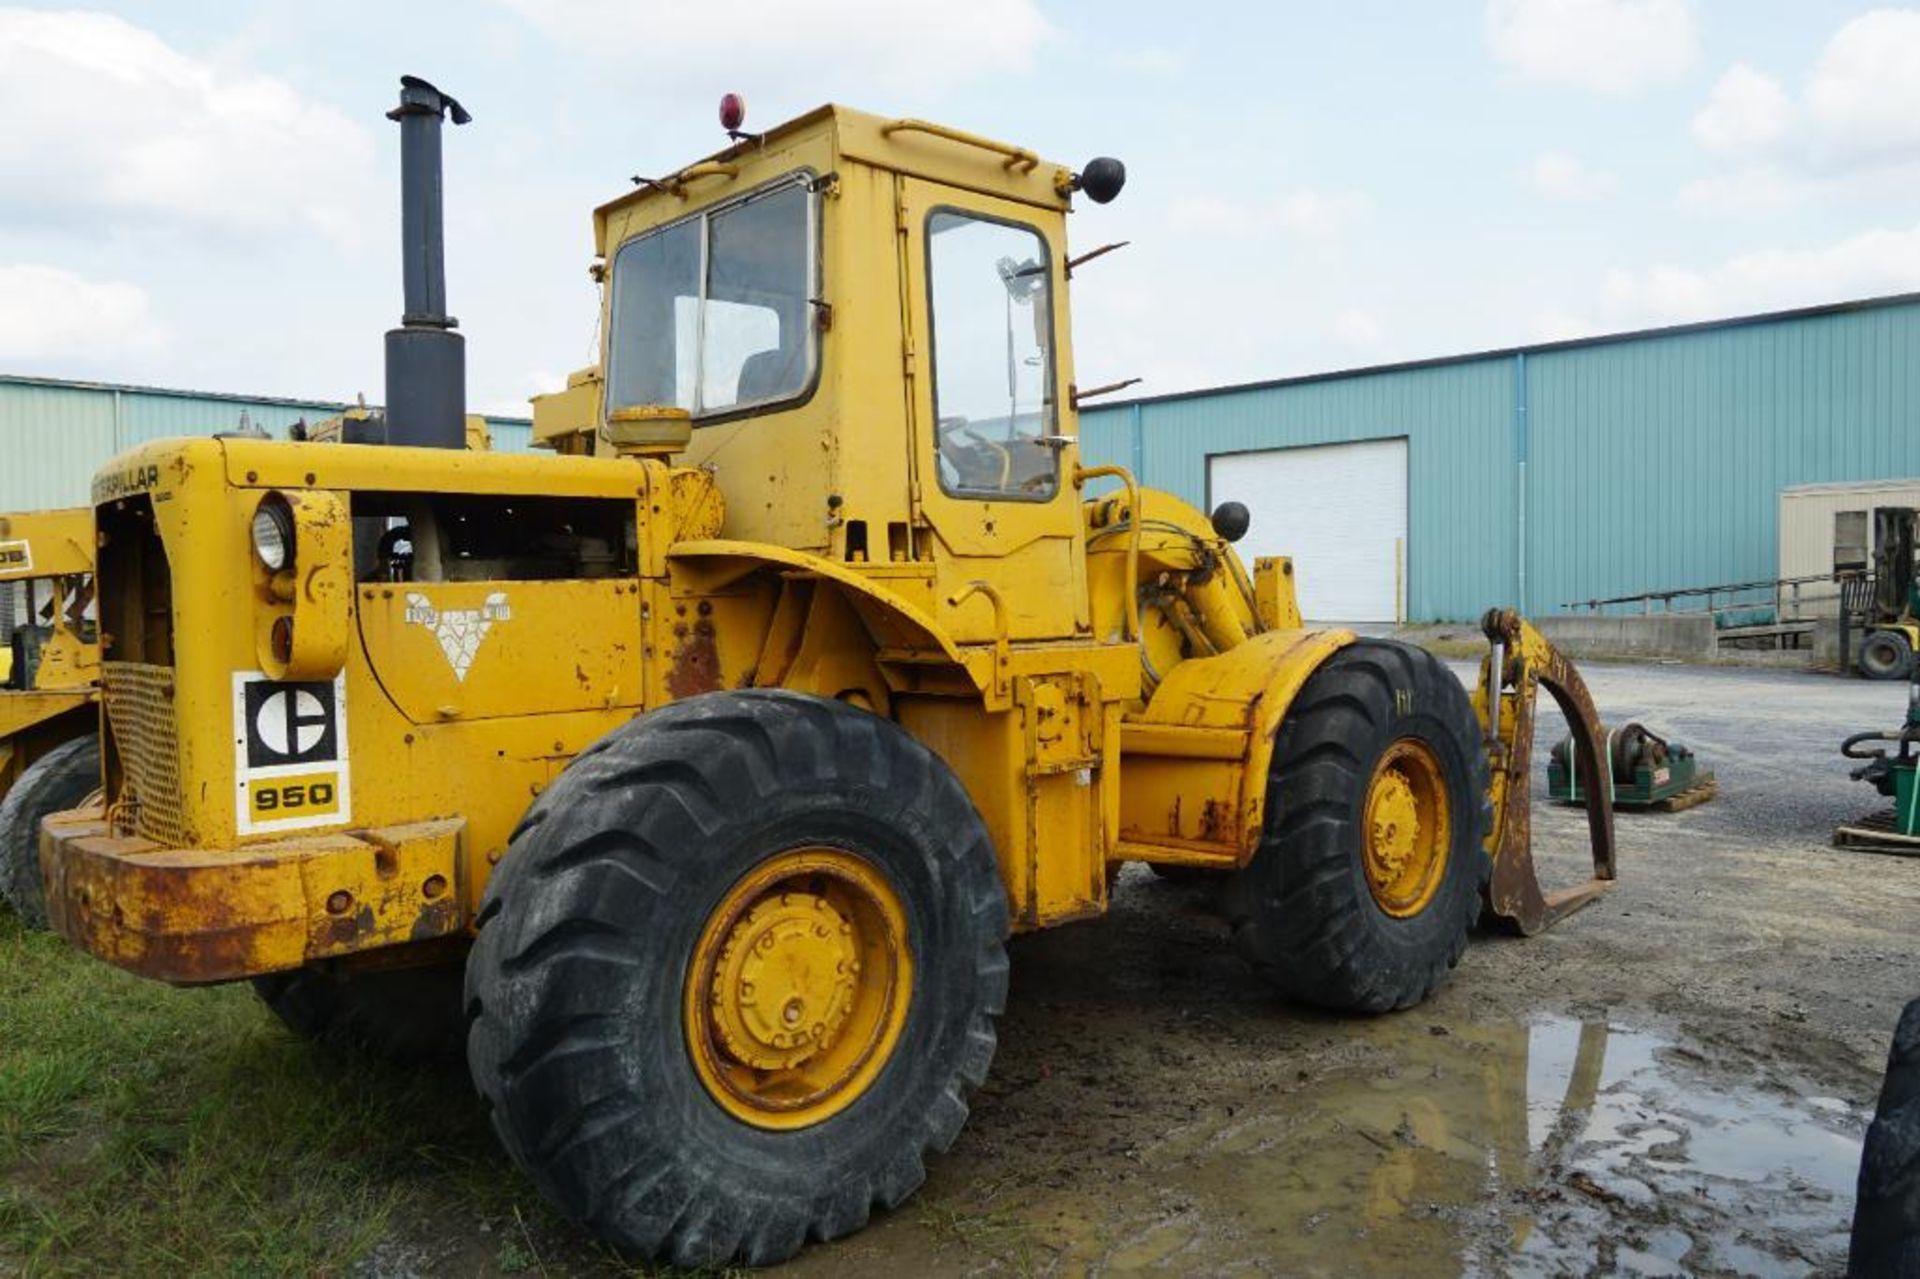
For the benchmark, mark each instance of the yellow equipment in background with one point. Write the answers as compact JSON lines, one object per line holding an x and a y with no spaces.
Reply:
{"x":49,"y":661}
{"x":718,"y":755}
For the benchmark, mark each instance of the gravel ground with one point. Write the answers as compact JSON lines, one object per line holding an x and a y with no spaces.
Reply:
{"x":1674,"y":1080}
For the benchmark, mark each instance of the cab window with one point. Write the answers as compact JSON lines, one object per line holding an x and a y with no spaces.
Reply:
{"x":714,"y":314}
{"x":993,"y":370}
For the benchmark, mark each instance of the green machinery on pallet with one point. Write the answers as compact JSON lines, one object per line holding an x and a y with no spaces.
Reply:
{"x":1895,"y":775}
{"x":1648,"y":771}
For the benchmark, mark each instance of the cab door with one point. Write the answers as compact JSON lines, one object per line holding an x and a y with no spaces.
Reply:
{"x":993,"y":435}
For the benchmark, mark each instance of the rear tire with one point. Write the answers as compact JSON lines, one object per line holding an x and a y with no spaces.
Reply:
{"x":1306,"y":911}
{"x":592,"y":981}
{"x":59,"y":780}
{"x":1886,"y":1215}
{"x":1886,"y":655}
{"x":403,"y":1015}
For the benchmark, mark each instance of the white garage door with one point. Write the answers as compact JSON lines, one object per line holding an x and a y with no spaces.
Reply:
{"x":1340,"y":510}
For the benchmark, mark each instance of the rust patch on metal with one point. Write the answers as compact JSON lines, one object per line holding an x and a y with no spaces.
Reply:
{"x":342,"y":931}
{"x":437,"y":919}
{"x":695,"y":665}
{"x":1214,"y":822}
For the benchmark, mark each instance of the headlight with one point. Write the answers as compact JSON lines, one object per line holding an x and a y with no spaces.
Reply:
{"x":273,"y":533}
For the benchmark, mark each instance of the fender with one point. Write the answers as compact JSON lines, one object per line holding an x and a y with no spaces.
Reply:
{"x":905,"y":636}
{"x":1196,"y":758}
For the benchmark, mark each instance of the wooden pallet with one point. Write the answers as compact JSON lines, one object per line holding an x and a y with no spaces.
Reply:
{"x":1875,"y":833}
{"x":1702,"y":790}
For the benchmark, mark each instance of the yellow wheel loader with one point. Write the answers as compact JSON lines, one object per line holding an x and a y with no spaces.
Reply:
{"x":49,"y":661}
{"x":696,"y":776}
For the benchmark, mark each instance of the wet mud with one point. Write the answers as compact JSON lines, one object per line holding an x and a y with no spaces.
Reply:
{"x":1674,"y":1081}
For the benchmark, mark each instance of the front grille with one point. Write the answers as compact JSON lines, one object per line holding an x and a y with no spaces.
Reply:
{"x":139,"y":701}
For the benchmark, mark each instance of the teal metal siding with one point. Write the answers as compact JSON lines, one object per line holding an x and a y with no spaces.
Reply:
{"x":55,"y":435}
{"x":1456,"y":418}
{"x":1652,"y":461}
{"x":51,"y":441}
{"x":511,"y":435}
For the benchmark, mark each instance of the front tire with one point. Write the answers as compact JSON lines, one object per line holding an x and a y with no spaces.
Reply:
{"x":1370,"y":871}
{"x":1886,"y":655}
{"x":734,"y":976}
{"x":59,"y":780}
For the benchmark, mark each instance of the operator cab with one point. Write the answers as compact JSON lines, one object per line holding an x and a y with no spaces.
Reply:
{"x":864,"y":322}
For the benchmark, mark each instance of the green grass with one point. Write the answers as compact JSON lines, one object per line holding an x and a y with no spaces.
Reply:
{"x":146,"y":1129}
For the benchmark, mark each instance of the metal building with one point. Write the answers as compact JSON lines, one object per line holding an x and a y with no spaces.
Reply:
{"x":1543,"y":475}
{"x":54,"y":434}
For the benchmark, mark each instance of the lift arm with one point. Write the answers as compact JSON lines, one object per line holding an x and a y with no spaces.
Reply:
{"x":1521,"y":661}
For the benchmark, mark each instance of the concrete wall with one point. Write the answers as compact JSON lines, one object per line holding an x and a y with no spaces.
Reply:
{"x":1686,"y":637}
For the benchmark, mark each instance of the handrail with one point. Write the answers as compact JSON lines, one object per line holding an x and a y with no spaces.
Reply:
{"x":1718,"y":589}
{"x":676,"y":183}
{"x":1002,"y":649}
{"x":1081,"y":474}
{"x":1027,"y":160}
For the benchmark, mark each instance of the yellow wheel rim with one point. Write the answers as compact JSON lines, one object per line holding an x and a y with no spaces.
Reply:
{"x":799,"y":988}
{"x":1406,"y":829}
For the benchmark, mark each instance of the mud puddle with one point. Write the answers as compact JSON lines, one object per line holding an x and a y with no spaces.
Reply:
{"x":1551,"y":1147}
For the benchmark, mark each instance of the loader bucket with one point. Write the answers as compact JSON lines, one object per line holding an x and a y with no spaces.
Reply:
{"x":1520,"y":662}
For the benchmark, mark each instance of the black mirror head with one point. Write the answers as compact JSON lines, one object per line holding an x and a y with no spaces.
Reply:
{"x":1231,"y":520}
{"x":1102,"y":178}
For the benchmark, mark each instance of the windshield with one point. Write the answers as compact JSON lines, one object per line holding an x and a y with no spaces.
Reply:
{"x":992,"y":357}
{"x":714,"y":314}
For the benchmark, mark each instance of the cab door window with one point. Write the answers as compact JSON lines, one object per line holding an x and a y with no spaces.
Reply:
{"x":995,"y":405}
{"x":715,"y":313}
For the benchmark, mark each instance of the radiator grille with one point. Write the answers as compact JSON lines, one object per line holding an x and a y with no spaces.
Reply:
{"x":139,"y":702}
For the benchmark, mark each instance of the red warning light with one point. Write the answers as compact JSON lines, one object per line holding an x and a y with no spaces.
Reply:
{"x":733,"y":112}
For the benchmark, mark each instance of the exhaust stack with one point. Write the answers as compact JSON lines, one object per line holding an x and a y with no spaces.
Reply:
{"x":426,"y":359}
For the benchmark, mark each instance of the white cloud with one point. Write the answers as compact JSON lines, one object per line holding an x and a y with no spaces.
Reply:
{"x":1756,"y":189}
{"x":1561,"y":176}
{"x":1558,"y":326}
{"x":900,"y":45}
{"x":124,"y":125}
{"x":49,"y":313}
{"x":1745,"y":110}
{"x":1872,"y":262}
{"x":1855,"y":122}
{"x":1864,"y":95}
{"x":1356,"y":328}
{"x":1319,"y":213}
{"x":1611,"y":46}
{"x":1306,"y":213}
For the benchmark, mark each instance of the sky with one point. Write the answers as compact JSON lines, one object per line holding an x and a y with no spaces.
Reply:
{"x":205,"y":195}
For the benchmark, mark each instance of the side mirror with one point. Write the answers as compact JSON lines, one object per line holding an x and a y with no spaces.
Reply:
{"x":1102,"y":179}
{"x":1231,"y":520}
